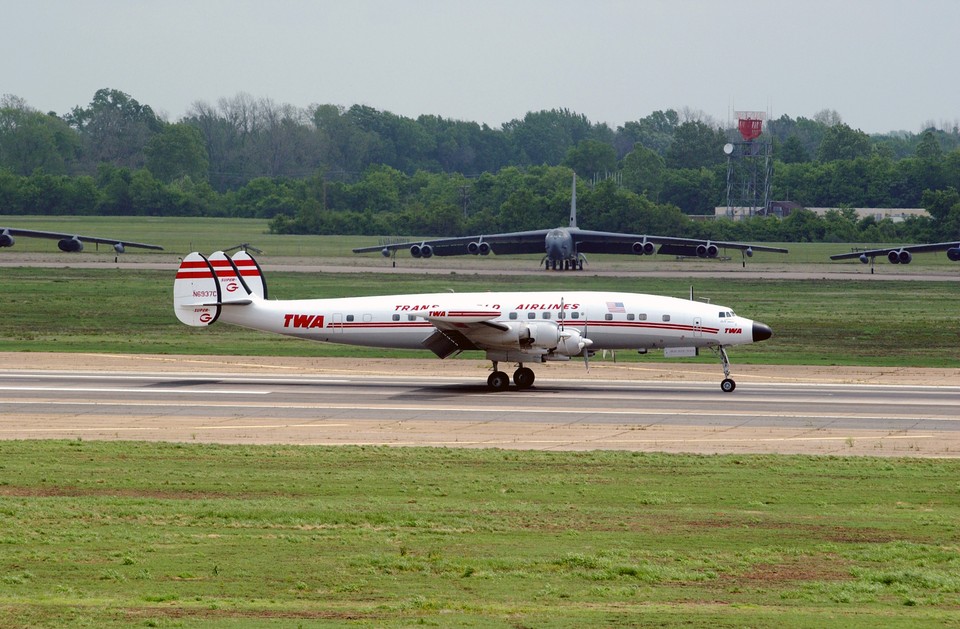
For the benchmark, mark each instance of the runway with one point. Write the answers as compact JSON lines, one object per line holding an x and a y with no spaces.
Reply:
{"x":459,"y":411}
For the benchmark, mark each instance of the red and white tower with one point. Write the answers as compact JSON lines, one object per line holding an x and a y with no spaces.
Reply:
{"x":749,"y":167}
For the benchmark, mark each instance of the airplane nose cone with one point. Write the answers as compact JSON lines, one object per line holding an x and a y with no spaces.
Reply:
{"x":761,"y":332}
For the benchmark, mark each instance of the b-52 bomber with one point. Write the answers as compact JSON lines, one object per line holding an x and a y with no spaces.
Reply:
{"x":564,"y":247}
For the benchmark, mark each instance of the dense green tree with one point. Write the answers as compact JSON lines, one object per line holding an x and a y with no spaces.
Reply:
{"x":808,"y":133}
{"x":695,"y":145}
{"x":944,"y":208}
{"x":840,"y":142}
{"x":693,"y":190}
{"x":116,"y":198}
{"x":30,"y":140}
{"x":114,"y":128}
{"x":543,"y":137}
{"x":654,"y":132}
{"x":792,"y":151}
{"x":590,"y":157}
{"x":643,"y":171}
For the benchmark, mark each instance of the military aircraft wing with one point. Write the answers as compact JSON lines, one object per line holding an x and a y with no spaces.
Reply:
{"x":481,"y":244}
{"x":68,"y":241}
{"x":617,"y":243}
{"x":903,"y":253}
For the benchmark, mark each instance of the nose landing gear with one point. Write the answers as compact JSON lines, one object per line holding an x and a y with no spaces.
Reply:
{"x":727,"y":385}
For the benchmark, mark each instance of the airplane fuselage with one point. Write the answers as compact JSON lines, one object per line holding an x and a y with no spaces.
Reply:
{"x":560,"y":248}
{"x":609,"y":320}
{"x":519,"y":327}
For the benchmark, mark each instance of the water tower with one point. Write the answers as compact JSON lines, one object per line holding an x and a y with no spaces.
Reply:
{"x":749,"y":167}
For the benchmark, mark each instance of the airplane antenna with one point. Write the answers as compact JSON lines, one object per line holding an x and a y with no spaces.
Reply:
{"x":573,"y":203}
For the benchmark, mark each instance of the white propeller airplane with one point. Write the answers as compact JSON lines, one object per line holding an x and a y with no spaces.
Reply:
{"x":515,"y":327}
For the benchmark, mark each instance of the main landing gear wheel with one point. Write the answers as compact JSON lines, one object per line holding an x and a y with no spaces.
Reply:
{"x":523,"y":377}
{"x":728,"y":385}
{"x":498,"y":381}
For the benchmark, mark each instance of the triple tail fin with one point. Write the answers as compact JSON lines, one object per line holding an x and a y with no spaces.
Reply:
{"x":203,"y":286}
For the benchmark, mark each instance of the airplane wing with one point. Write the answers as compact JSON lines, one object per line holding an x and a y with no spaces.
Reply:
{"x":68,"y":241}
{"x":458,"y":328}
{"x":613,"y":242}
{"x":952,"y":249}
{"x":501,"y":244}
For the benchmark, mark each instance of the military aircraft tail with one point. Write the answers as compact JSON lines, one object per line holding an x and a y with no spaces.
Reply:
{"x":573,"y":203}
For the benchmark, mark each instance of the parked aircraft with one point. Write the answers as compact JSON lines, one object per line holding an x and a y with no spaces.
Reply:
{"x":68,"y":242}
{"x":903,"y":254}
{"x":515,"y":327}
{"x":564,"y":247}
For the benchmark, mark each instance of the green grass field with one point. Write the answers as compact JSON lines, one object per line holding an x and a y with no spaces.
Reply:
{"x":179,"y":235}
{"x":169,"y":535}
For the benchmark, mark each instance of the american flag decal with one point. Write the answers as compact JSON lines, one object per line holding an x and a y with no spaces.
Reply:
{"x":615,"y":306}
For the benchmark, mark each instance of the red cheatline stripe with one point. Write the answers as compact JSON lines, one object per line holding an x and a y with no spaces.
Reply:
{"x":468,"y":313}
{"x":368,"y":326}
{"x":193,"y":264}
{"x":194,"y":275}
{"x":649,"y":326}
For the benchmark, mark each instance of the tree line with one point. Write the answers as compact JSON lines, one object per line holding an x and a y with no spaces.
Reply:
{"x":329,"y":169}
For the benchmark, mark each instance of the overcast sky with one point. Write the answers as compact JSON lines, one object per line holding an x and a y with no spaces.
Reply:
{"x":882,"y":65}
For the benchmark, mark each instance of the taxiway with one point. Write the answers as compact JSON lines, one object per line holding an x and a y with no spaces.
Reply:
{"x":228,"y":406}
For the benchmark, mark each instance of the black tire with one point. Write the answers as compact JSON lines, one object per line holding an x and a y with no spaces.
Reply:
{"x":498,"y":381}
{"x":728,"y":385}
{"x":523,"y":377}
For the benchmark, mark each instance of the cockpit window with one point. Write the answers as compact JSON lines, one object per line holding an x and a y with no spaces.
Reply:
{"x":726,"y":314}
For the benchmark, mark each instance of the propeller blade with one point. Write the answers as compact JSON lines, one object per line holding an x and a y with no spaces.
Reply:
{"x":586,"y":352}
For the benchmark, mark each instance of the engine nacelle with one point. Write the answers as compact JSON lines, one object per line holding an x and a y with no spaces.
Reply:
{"x":70,"y":245}
{"x":749,"y":252}
{"x":473,"y":248}
{"x":426,"y":251}
{"x":643,"y":248}
{"x":708,"y":250}
{"x":542,"y":334}
{"x":864,"y":258}
{"x":6,"y":240}
{"x":416,"y":251}
{"x":900,"y":257}
{"x":484,"y":249}
{"x":572,"y":343}
{"x":118,"y":247}
{"x":953,"y":254}
{"x":385,"y":252}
